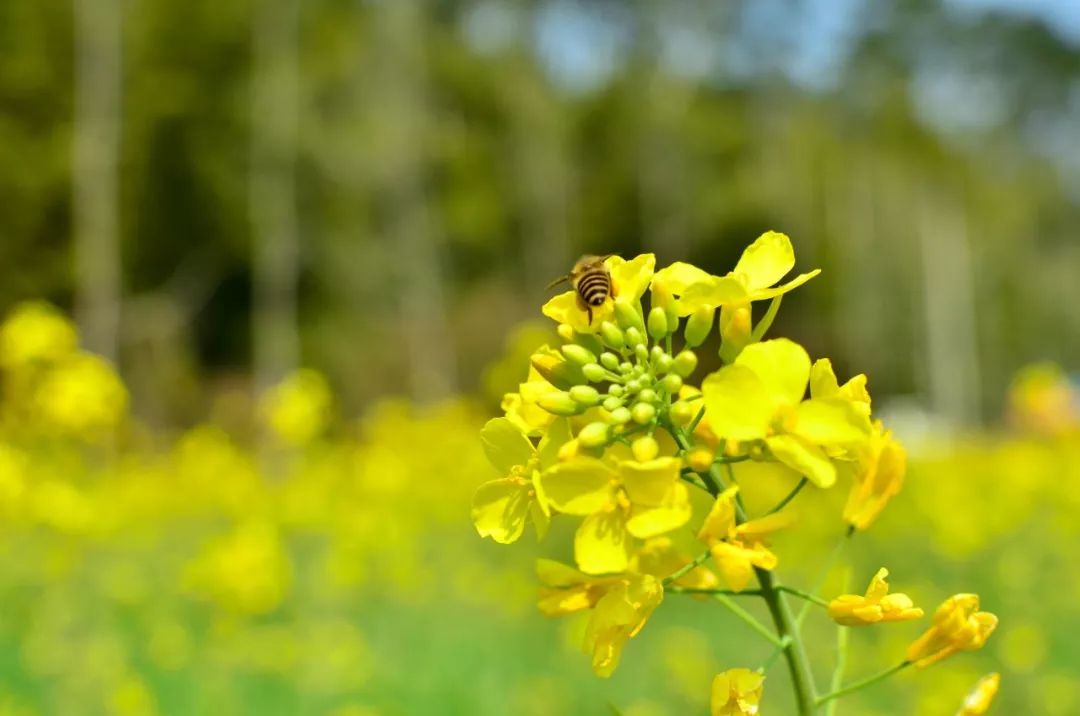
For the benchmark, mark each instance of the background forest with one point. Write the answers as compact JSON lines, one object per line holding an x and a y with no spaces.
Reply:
{"x":221,"y":193}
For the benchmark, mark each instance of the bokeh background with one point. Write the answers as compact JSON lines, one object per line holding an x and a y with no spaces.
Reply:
{"x":304,"y":245}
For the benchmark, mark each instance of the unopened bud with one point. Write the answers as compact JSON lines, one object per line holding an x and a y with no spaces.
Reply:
{"x":625,"y":367}
{"x":569,"y":449}
{"x":664,"y":362}
{"x":699,"y":325}
{"x":685,"y":363}
{"x":641,"y":351}
{"x":609,"y":360}
{"x":594,"y":372}
{"x":615,"y":389}
{"x":700,"y":459}
{"x":555,"y":369}
{"x":634,"y":337}
{"x":611,"y":403}
{"x":671,"y":383}
{"x":628,"y":315}
{"x":559,"y":403}
{"x":585,"y":395}
{"x":620,"y":416}
{"x":565,"y":331}
{"x":662,"y":298}
{"x":578,"y":354}
{"x":647,"y":395}
{"x":594,"y":434}
{"x":643,"y":413}
{"x":734,"y":331}
{"x":658,"y":323}
{"x":645,"y":448}
{"x":682,"y":413}
{"x":612,"y":335}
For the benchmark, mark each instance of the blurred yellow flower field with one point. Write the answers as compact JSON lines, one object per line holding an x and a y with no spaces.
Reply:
{"x":335,"y":571}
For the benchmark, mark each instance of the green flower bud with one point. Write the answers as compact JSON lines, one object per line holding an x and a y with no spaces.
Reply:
{"x":612,"y":403}
{"x":664,"y":363}
{"x":685,"y":363}
{"x":628,"y":315}
{"x":643,"y":413}
{"x":589,"y":342}
{"x":620,"y":416}
{"x":647,"y":395}
{"x":634,"y":337}
{"x":645,"y":448}
{"x":585,"y":395}
{"x":609,"y":360}
{"x":578,"y":354}
{"x":682,"y":412}
{"x":594,"y":372}
{"x":641,"y":351}
{"x":698,"y":326}
{"x":565,"y":331}
{"x":633,"y":386}
{"x":671,"y":383}
{"x":594,"y":434}
{"x":615,"y":389}
{"x":555,"y":369}
{"x":559,"y":403}
{"x":612,"y":335}
{"x":658,"y":323}
{"x":625,"y":367}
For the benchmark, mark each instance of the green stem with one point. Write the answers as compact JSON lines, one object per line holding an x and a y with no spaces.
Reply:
{"x":709,"y":590}
{"x":697,"y":419}
{"x":749,"y":618}
{"x":790,"y":496}
{"x":784,"y":642}
{"x":841,"y":654}
{"x":820,"y":582}
{"x":766,"y":320}
{"x":858,"y":685}
{"x":687,"y":568}
{"x":694,"y":480}
{"x":811,"y":598}
{"x":802,"y":679}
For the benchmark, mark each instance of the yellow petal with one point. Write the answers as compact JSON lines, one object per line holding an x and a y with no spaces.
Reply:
{"x":781,"y":365}
{"x":831,"y":422}
{"x":765,"y":294}
{"x":569,"y":309}
{"x":716,"y":291}
{"x":671,"y":514}
{"x":580,"y":486}
{"x":738,"y":405}
{"x":629,"y":279}
{"x":500,"y":508}
{"x":736,"y":562}
{"x":600,"y":544}
{"x":804,"y":458}
{"x":557,"y":435}
{"x":766,"y":261}
{"x":680,"y":276}
{"x":505,"y":445}
{"x":720,"y":522}
{"x":557,"y":574}
{"x":650,"y":482}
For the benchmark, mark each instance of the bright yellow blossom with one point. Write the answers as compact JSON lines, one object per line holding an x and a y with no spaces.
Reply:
{"x":736,"y":692}
{"x":823,"y":384}
{"x":875,"y":607}
{"x":978,"y":701}
{"x":501,"y":507}
{"x":659,"y":557}
{"x":82,"y":395}
{"x":760,"y":397}
{"x":738,"y":548}
{"x":298,"y":409}
{"x":629,"y":280}
{"x":521,"y":407}
{"x":760,"y":267}
{"x":639,"y":499}
{"x":620,"y":607}
{"x":877,"y":476}
{"x":35,"y":332}
{"x":958,"y":626}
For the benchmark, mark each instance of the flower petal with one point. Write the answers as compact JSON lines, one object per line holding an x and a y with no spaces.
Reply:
{"x":600,"y":544}
{"x":568,"y":308}
{"x":505,"y":445}
{"x":580,"y":486}
{"x":804,"y":458}
{"x":767,"y":293}
{"x":650,"y":482}
{"x":716,"y":291}
{"x":738,"y":405}
{"x":831,"y":421}
{"x":673,"y":513}
{"x":558,"y":434}
{"x":680,"y":276}
{"x":629,"y":279}
{"x":782,"y":366}
{"x":766,"y":261}
{"x":500,"y":508}
{"x":557,"y":574}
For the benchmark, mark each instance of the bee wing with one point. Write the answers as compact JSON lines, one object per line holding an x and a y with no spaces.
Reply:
{"x":556,"y":282}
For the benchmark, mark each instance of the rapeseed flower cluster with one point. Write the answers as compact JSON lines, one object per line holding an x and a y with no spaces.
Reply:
{"x":616,"y":429}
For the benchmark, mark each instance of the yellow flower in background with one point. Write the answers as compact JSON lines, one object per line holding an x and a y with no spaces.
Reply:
{"x":246,"y":571}
{"x":639,"y":499}
{"x":1042,"y":400}
{"x":298,"y":409}
{"x":500,"y":508}
{"x":877,"y":475}
{"x":35,"y":332}
{"x":618,"y":616}
{"x":621,"y":605}
{"x":980,"y":698}
{"x":958,"y":626}
{"x":82,"y":395}
{"x":760,"y":267}
{"x":736,"y":692}
{"x":629,"y":280}
{"x":875,"y":607}
{"x":659,"y":557}
{"x":760,"y":397}
{"x":738,"y":548}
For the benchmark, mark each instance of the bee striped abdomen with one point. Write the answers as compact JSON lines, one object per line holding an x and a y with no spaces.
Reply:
{"x":594,"y":287}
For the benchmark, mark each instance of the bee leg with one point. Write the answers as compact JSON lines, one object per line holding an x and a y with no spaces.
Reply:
{"x":588,"y":311}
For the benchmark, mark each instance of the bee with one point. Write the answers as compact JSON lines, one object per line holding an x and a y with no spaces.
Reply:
{"x":591,"y":280}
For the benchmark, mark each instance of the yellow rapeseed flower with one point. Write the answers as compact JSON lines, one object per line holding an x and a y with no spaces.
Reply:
{"x":760,"y":397}
{"x":298,"y":409}
{"x":982,"y":695}
{"x":877,"y":474}
{"x":738,"y":548}
{"x":35,"y":332}
{"x":82,"y":395}
{"x":629,"y":499}
{"x":620,"y":607}
{"x":958,"y":626}
{"x":737,"y":692}
{"x":521,"y":407}
{"x":501,"y":507}
{"x":876,"y":606}
{"x":659,"y":557}
{"x":629,"y":280}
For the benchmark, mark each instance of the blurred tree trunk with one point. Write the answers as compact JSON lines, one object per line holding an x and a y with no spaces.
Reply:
{"x":95,"y":199}
{"x":272,"y":189}
{"x":399,"y":112}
